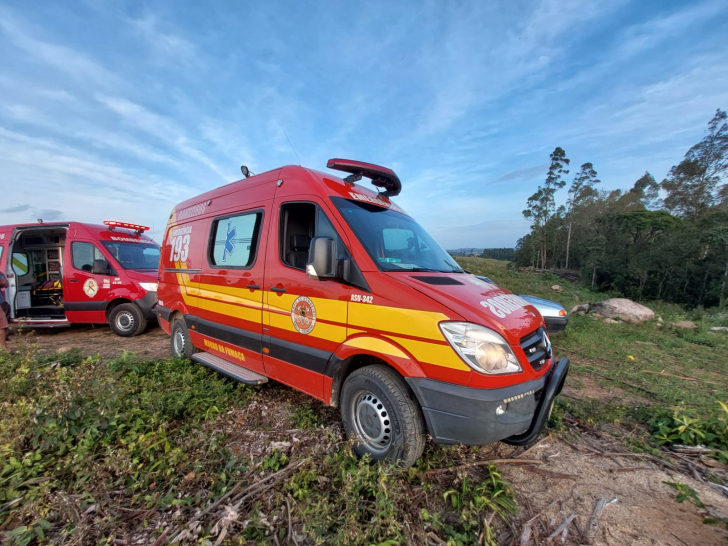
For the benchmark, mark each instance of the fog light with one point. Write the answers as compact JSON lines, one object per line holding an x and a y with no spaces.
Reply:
{"x":500,"y":410}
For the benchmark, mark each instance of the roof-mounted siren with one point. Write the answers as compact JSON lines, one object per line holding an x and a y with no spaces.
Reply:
{"x":381,"y":177}
{"x":113,"y":224}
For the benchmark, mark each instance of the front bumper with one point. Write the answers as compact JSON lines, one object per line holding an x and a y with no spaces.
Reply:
{"x":555,"y":325}
{"x":463,"y":415}
{"x":148,"y":305}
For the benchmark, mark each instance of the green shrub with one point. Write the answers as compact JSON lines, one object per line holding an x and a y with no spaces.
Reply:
{"x":686,"y":428}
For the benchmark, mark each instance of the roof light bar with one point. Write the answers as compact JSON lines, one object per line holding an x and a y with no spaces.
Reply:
{"x":136,"y":227}
{"x":381,"y":177}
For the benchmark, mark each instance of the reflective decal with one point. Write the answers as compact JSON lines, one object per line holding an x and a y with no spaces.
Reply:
{"x":90,"y":287}
{"x":106,"y":284}
{"x":504,"y":305}
{"x":303,"y":315}
{"x":229,"y":244}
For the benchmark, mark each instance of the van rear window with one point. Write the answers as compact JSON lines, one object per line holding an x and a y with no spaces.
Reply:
{"x":235,"y":239}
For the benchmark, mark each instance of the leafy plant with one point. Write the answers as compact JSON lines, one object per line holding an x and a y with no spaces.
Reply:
{"x":685,"y":493}
{"x":683,"y":428}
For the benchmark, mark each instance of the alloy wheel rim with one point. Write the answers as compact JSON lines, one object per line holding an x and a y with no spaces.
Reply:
{"x":372,"y":423}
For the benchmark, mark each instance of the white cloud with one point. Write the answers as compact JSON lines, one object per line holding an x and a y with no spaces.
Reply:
{"x":158,"y":127}
{"x":63,"y":59}
{"x":168,"y":47}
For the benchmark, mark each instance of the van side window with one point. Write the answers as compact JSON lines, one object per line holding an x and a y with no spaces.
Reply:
{"x":235,"y":240}
{"x":297,"y":228}
{"x":301,"y":222}
{"x":86,"y":257}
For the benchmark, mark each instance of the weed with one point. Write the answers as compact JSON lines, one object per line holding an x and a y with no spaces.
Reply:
{"x":305,"y":417}
{"x":685,"y":493}
{"x":689,"y":429}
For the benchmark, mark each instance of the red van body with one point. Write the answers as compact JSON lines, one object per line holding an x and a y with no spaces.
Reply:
{"x":67,"y":272}
{"x":314,"y":281}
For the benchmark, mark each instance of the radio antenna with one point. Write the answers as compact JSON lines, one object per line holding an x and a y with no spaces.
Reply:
{"x":292,"y":148}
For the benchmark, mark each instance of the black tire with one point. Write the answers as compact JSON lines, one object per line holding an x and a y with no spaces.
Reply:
{"x":181,"y":344}
{"x":127,"y":320}
{"x":381,"y":416}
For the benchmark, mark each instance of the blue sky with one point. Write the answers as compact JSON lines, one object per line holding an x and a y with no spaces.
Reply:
{"x":119,"y":110}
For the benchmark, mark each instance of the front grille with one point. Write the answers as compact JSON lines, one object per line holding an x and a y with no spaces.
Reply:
{"x":537,"y":347}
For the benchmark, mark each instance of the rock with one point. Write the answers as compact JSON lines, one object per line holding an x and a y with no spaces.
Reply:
{"x":719,"y":329}
{"x":580,"y":309}
{"x":682,"y":325}
{"x":611,"y":321}
{"x":64,"y":349}
{"x":557,"y":288}
{"x":283,"y":446}
{"x":623,"y":309}
{"x":659,"y":319}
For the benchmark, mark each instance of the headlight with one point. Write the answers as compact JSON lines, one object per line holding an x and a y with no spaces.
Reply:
{"x":481,"y":348}
{"x":149,"y":286}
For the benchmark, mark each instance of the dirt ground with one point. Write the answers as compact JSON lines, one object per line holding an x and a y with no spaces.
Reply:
{"x":578,"y":466}
{"x":97,"y":338}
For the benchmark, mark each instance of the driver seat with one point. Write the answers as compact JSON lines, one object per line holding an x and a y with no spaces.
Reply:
{"x":298,"y":255}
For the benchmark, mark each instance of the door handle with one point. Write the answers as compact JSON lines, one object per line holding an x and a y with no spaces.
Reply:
{"x":72,"y":280}
{"x":276,"y":289}
{"x":253,"y":287}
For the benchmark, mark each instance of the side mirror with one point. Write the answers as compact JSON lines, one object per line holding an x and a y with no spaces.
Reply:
{"x":321,"y":259}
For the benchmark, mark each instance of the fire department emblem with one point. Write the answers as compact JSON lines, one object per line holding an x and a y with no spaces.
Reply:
{"x":90,"y":287}
{"x":303,"y":315}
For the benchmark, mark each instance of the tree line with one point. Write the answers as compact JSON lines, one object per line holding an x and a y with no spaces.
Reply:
{"x":666,"y":240}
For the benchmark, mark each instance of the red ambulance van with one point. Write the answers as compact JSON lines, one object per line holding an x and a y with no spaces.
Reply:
{"x":67,"y":272}
{"x":324,"y":285}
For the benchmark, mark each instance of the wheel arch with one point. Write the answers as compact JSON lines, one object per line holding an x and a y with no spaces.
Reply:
{"x":113,"y":304}
{"x":360,"y":351}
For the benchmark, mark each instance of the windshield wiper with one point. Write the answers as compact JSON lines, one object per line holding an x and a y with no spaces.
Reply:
{"x":454,"y":268}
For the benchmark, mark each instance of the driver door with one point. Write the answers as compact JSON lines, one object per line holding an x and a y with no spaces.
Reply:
{"x":86,"y":283}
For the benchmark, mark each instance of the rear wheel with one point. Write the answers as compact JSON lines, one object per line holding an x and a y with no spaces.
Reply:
{"x":381,"y":417}
{"x":181,"y":342}
{"x":127,"y":320}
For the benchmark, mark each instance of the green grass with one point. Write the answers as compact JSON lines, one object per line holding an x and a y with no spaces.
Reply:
{"x":93,"y":451}
{"x":666,"y":372}
{"x":96,"y":450}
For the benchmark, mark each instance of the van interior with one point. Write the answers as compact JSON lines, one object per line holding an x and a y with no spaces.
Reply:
{"x":298,"y":224}
{"x":37,"y":262}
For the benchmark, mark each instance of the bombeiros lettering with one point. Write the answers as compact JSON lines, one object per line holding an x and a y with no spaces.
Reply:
{"x":189,"y":212}
{"x":504,"y":305}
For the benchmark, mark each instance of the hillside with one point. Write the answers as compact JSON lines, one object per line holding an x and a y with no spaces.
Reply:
{"x":101,"y":445}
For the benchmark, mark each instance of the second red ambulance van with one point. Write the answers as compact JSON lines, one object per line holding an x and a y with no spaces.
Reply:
{"x":69,"y":272}
{"x":329,"y":287}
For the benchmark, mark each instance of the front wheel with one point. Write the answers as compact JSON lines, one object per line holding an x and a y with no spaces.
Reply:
{"x":127,"y":320}
{"x":381,"y":417}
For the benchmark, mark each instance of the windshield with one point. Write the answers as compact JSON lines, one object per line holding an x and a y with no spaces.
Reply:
{"x":134,"y":255}
{"x":395,"y":241}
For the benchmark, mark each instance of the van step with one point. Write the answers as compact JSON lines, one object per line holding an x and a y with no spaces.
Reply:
{"x":244,"y":375}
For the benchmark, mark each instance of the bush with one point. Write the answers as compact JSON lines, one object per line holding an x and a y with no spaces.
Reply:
{"x":684,"y":428}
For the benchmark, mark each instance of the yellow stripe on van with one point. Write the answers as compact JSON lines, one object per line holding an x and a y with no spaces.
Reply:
{"x":376,"y":346}
{"x":229,"y":294}
{"x":432,"y":353}
{"x":409,"y":322}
